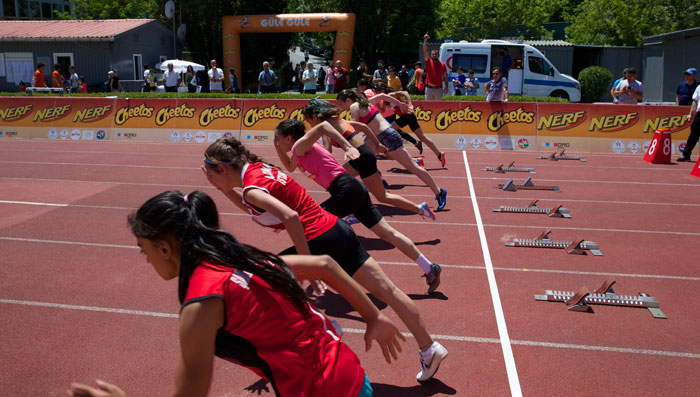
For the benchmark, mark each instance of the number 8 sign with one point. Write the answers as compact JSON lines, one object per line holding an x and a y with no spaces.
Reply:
{"x":659,"y":151}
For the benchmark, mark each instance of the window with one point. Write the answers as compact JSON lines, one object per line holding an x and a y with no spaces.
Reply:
{"x":138,"y":67}
{"x":476,"y":62}
{"x":539,"y":65}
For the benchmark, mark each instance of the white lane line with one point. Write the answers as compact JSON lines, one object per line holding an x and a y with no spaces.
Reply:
{"x":472,"y":339}
{"x":35,"y":240}
{"x":512,"y":372}
{"x":33,"y":203}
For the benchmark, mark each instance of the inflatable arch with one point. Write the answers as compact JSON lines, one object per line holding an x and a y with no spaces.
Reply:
{"x":234,"y":25}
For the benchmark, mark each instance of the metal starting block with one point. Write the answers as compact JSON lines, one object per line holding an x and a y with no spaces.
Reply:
{"x":576,"y":247}
{"x":561,"y":156}
{"x":510,"y":186}
{"x":510,"y":168}
{"x":554,"y":212}
{"x":580,"y":300}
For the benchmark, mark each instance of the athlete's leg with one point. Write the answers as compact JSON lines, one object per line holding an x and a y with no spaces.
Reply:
{"x":376,"y":187}
{"x":392,"y":236}
{"x":373,"y":278}
{"x":403,"y":158}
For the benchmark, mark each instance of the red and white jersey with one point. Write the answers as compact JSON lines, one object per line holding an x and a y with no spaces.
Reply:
{"x":295,"y":348}
{"x":281,"y":186}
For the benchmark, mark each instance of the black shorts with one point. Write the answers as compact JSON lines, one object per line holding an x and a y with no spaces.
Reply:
{"x":350,"y":196}
{"x":341,"y":244}
{"x":391,"y":118}
{"x":408,"y":120}
{"x":366,"y":165}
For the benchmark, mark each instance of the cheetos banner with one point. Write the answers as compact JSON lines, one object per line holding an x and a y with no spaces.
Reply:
{"x":523,"y":126}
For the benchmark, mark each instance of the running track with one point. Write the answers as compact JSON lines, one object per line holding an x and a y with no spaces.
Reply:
{"x":78,"y":302}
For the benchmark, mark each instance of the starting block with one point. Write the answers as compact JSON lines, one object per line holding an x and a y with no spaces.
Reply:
{"x":580,"y":300}
{"x":511,"y":168}
{"x":554,"y":212}
{"x":576,"y":247}
{"x":527,"y":185}
{"x":659,"y":151}
{"x":561,"y":156}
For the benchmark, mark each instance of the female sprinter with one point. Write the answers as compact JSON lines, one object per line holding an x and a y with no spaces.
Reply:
{"x":244,"y":305}
{"x":275,"y":200}
{"x":360,"y":109}
{"x":400,"y":118}
{"x":348,"y":195}
{"x":323,"y":115}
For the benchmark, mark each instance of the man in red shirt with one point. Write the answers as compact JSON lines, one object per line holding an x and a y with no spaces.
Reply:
{"x":435,"y":73}
{"x":341,"y":77}
{"x":38,"y":80}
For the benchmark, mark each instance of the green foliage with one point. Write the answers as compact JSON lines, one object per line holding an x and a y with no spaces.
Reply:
{"x":594,"y":82}
{"x":113,"y":9}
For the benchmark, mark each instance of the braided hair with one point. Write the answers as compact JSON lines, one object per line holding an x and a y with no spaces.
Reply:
{"x":193,"y":221}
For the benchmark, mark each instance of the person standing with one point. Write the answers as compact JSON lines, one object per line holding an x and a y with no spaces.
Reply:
{"x":82,"y":85}
{"x":191,"y":80}
{"x":146,"y":84}
{"x":460,"y":81}
{"x":216,"y":77}
{"x":497,"y":87}
{"x":403,"y":77}
{"x":56,"y":78}
{"x":417,"y":79}
{"x":171,"y":79}
{"x":630,"y":90}
{"x":74,"y":79}
{"x":694,"y":127}
{"x":341,"y":77}
{"x":472,"y":83}
{"x":114,"y":82}
{"x":309,"y":79}
{"x":38,"y":79}
{"x":232,"y":81}
{"x":435,"y":74}
{"x":330,"y":79}
{"x":362,"y":71}
{"x":507,"y":62}
{"x":614,"y":86}
{"x":266,"y":79}
{"x":380,"y":74}
{"x":684,"y":93}
{"x":392,"y":80}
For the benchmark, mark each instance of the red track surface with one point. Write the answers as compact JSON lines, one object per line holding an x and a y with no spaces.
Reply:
{"x":644,"y":217}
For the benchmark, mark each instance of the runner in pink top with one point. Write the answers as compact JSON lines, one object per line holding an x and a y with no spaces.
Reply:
{"x":319,"y":165}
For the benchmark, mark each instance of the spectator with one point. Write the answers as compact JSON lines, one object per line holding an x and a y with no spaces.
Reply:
{"x":272,"y":68}
{"x":232,"y":81}
{"x":362,"y":71}
{"x":380,"y":74}
{"x":684,"y":93}
{"x":614,"y":86}
{"x":417,"y":79}
{"x":146,"y":84}
{"x":171,"y":79}
{"x":341,"y":77}
{"x":497,"y":87}
{"x":38,"y":80}
{"x":266,"y":79}
{"x":309,"y":79}
{"x":330,"y":79}
{"x":460,"y":81}
{"x":216,"y":77}
{"x":56,"y":78}
{"x":191,"y":79}
{"x":472,"y":83}
{"x":694,"y":127}
{"x":306,"y":55}
{"x":392,"y":80}
{"x":404,"y":77}
{"x":300,"y":75}
{"x":507,"y":63}
{"x":22,"y":86}
{"x":74,"y":79}
{"x":321,"y":80}
{"x":630,"y":90}
{"x":435,"y":73}
{"x":82,"y":85}
{"x":115,"y":84}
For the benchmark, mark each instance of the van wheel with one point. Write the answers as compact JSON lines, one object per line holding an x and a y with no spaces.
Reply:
{"x":559,"y":94}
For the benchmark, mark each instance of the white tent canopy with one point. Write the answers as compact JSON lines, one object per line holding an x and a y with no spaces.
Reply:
{"x":179,"y":66}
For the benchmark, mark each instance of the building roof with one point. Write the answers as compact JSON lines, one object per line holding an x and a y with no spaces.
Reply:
{"x":680,"y":33}
{"x":545,"y":43}
{"x":67,"y":30}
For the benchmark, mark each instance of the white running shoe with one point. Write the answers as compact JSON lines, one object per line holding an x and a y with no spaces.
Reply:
{"x":430,"y":364}
{"x":426,"y":211}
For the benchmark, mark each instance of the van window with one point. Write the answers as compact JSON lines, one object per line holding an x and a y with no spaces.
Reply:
{"x":538,"y":65}
{"x":476,"y":62}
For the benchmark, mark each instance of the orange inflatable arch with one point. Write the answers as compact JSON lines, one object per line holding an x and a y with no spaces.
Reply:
{"x":234,"y":25}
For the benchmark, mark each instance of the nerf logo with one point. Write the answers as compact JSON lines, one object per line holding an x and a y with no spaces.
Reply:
{"x":613,"y":122}
{"x":561,"y":121}
{"x":498,"y":119}
{"x":672,"y":122}
{"x":89,"y":115}
{"x":208,"y":115}
{"x":445,"y":118}
{"x":15,"y":113}
{"x":52,"y":114}
{"x":254,"y":115}
{"x":297,"y":114}
{"x":126,"y":113}
{"x":422,"y":115}
{"x":167,"y":113}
